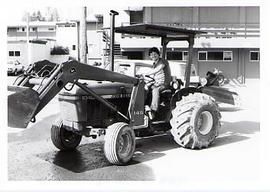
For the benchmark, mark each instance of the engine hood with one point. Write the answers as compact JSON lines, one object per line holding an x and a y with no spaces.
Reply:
{"x":100,"y":88}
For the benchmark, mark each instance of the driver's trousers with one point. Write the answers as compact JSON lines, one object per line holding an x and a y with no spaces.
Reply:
{"x":156,"y":90}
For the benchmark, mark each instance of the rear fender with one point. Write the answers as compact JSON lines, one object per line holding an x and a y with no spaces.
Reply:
{"x":177,"y":96}
{"x":221,"y":95}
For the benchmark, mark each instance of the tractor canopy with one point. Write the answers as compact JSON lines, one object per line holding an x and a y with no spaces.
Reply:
{"x":157,"y":30}
{"x":167,"y":34}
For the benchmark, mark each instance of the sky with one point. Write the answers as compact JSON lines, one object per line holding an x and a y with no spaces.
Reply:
{"x":65,"y":13}
{"x":70,"y":9}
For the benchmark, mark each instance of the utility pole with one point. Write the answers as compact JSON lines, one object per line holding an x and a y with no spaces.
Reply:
{"x":83,"y":36}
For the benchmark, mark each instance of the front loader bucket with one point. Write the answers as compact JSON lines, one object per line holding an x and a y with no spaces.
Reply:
{"x":222,"y":95}
{"x":22,"y":104}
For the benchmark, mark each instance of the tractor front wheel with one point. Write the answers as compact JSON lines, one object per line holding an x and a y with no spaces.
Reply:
{"x":195,"y":121}
{"x":63,"y":139}
{"x":119,"y":143}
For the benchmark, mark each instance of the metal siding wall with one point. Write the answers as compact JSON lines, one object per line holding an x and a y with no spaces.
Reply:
{"x":253,"y":15}
{"x":172,"y":15}
{"x":147,"y":15}
{"x":252,"y":68}
{"x":202,"y":15}
{"x":241,"y":65}
{"x":219,"y":15}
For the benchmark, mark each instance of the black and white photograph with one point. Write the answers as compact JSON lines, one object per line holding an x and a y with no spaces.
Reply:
{"x":124,"y":96}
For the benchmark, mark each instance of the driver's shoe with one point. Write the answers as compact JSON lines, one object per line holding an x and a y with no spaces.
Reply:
{"x":153,"y":115}
{"x":150,"y":113}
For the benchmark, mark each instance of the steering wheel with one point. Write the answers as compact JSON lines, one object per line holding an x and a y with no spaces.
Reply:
{"x":148,"y":76}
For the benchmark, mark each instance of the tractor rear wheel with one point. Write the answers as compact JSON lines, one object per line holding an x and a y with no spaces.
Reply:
{"x":119,"y":143}
{"x":63,"y":139}
{"x":195,"y":121}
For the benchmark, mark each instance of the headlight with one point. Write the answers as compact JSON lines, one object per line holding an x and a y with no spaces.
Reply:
{"x":203,"y":81}
{"x":175,"y":85}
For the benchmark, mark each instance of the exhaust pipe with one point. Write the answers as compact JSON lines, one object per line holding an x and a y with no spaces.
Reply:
{"x":112,"y":14}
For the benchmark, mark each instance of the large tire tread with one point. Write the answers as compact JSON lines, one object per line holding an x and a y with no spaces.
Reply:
{"x":183,"y":130}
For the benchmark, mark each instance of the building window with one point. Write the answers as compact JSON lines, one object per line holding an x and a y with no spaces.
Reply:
{"x":11,"y":53}
{"x":254,"y":56}
{"x":73,"y":47}
{"x":215,"y":56}
{"x":34,"y":29}
{"x":185,"y":56}
{"x":136,"y":17}
{"x":12,"y":29}
{"x":174,"y":56}
{"x":132,"y":54}
{"x":177,"y":55}
{"x":227,"y":56}
{"x":17,"y":53}
{"x":21,"y":29}
{"x":202,"y":55}
{"x":14,"y":53}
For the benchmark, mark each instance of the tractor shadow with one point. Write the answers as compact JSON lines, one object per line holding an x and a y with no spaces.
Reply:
{"x":149,"y":148}
{"x":235,"y":132}
{"x":85,"y":158}
{"x":90,"y":156}
{"x":89,"y":163}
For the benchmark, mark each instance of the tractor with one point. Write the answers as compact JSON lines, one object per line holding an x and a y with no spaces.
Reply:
{"x":95,"y":101}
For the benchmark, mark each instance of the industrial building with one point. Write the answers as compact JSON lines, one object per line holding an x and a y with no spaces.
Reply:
{"x":231,"y":43}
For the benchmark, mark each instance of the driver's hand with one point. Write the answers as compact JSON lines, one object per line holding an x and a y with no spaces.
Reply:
{"x":139,"y":75}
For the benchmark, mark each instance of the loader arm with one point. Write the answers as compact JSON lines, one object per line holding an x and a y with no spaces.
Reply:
{"x":26,"y":102}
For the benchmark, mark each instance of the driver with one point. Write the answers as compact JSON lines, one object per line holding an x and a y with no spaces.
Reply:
{"x":161,"y":75}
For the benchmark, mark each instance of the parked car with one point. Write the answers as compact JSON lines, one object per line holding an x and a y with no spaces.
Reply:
{"x":14,"y":67}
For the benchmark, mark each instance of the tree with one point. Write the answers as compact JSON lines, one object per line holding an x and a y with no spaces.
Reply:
{"x":50,"y":14}
{"x":25,"y":15}
{"x":55,"y":15}
{"x":99,"y":18}
{"x":39,"y":17}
